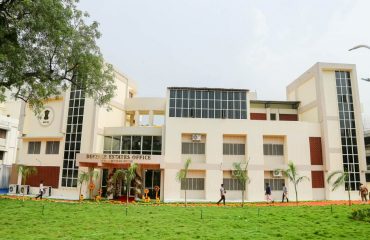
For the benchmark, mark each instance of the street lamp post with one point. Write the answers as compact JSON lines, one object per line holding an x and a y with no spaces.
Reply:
{"x":361,"y":46}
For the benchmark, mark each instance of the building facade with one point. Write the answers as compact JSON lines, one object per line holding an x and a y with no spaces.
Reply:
{"x":8,"y":147}
{"x":318,"y":127}
{"x":367,"y":149}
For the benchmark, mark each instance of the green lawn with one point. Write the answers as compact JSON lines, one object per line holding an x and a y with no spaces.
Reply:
{"x":109,"y":221}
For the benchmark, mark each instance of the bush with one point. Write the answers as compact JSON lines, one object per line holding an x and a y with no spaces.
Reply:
{"x":361,"y":214}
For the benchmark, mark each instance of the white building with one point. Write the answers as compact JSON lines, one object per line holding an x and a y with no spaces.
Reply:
{"x":319,"y":128}
{"x":8,"y":145}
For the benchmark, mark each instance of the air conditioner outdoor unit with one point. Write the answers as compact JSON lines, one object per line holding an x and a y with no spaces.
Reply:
{"x":47,"y":191}
{"x":24,"y":189}
{"x":13,"y":188}
{"x":277,"y":173}
{"x":196,"y":137}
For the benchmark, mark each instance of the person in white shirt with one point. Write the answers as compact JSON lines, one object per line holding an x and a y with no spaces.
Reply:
{"x":223,"y":193}
{"x":41,"y":191}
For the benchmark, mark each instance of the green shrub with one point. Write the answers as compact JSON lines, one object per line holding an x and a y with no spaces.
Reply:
{"x":361,"y":214}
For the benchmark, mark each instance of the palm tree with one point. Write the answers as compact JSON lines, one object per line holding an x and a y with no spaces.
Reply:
{"x":92,"y":176}
{"x":342,"y":178}
{"x":182,"y":176}
{"x":83,"y":177}
{"x":240,"y":173}
{"x":293,"y":176}
{"x":26,"y":171}
{"x":128,"y":174}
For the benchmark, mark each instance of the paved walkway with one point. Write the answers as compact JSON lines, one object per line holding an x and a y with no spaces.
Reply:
{"x":257,"y":204}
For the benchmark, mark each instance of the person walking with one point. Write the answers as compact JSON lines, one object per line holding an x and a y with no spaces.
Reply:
{"x":363,"y":191}
{"x":223,"y":193}
{"x":285,"y":193}
{"x":41,"y":190}
{"x":268,"y":193}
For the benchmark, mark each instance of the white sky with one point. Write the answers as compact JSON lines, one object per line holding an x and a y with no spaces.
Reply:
{"x":259,"y":45}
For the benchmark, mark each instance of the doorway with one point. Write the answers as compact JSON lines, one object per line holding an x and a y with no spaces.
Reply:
{"x":152,"y":178}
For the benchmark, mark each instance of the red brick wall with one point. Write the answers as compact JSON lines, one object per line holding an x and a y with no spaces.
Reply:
{"x":316,"y":151}
{"x":50,"y":176}
{"x":258,"y":116}
{"x":288,"y":117}
{"x":317,"y":179}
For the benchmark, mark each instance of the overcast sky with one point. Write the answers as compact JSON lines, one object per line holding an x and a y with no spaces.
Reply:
{"x":258,"y":45}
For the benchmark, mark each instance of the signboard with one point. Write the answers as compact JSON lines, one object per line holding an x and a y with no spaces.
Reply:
{"x":117,"y":158}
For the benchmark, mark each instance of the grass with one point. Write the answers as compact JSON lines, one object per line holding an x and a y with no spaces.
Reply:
{"x":109,"y":221}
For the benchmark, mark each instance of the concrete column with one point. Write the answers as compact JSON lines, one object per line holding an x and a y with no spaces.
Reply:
{"x":151,"y":118}
{"x":213,"y":183}
{"x":137,"y":116}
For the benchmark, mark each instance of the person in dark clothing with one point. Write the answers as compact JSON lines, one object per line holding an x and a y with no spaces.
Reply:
{"x":223,"y":193}
{"x":268,"y":193}
{"x":285,"y":193}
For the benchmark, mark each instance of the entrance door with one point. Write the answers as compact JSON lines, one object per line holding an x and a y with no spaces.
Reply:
{"x":152,"y":179}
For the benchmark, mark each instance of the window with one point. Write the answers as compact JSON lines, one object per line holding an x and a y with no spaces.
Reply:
{"x":367,"y":141}
{"x":147,"y":145}
{"x":233,"y":149}
{"x":193,"y":148}
{"x":347,"y":129}
{"x":34,"y":147}
{"x":232,"y":184}
{"x":2,"y":155}
{"x":73,"y":137}
{"x":368,"y":162}
{"x":2,"y":133}
{"x":273,"y":116}
{"x":52,"y":147}
{"x":207,"y":103}
{"x":273,"y":149}
{"x":276,"y":184}
{"x":192,"y":184}
{"x":367,"y":177}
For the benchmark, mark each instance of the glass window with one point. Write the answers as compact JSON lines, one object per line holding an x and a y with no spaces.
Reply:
{"x":147,"y":145}
{"x":136,"y":144}
{"x":34,"y":147}
{"x":116,"y":141}
{"x":2,"y":133}
{"x":108,"y":143}
{"x":52,"y":147}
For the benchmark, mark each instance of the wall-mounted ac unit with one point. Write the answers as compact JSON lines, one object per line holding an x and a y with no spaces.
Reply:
{"x":13,"y":188}
{"x":24,"y":189}
{"x":47,"y":191}
{"x":196,"y":137}
{"x":277,"y":173}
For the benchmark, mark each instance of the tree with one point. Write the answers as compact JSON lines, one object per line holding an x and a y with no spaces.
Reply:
{"x":90,"y":176}
{"x":128,"y":174}
{"x":26,"y":171}
{"x":240,"y":172}
{"x":342,"y":178}
{"x":45,"y":48}
{"x":82,"y":178}
{"x":182,"y":176}
{"x":293,"y":176}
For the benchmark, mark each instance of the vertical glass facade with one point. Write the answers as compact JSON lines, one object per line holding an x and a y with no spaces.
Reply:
{"x":73,"y":137}
{"x":348,"y":129}
{"x":208,"y":103}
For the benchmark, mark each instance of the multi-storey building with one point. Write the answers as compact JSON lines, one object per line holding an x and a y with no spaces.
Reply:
{"x":319,"y":128}
{"x":8,"y":143}
{"x":367,"y":149}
